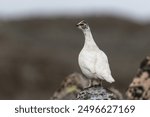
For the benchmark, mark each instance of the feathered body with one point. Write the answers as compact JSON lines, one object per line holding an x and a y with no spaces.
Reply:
{"x":93,"y":61}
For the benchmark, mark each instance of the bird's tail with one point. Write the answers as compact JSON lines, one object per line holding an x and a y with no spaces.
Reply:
{"x":110,"y":79}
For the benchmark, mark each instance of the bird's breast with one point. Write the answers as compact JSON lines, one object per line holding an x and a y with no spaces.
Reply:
{"x":87,"y":57}
{"x":87,"y":60}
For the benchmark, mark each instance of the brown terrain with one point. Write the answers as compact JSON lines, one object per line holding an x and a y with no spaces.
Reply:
{"x":37,"y":54}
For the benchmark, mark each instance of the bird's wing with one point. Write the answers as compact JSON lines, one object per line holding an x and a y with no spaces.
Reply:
{"x":101,"y":65}
{"x":87,"y":60}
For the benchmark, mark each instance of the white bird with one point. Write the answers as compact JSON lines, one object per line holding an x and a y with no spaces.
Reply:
{"x":93,"y":61}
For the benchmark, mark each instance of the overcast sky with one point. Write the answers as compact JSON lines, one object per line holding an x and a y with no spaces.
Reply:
{"x":136,"y":9}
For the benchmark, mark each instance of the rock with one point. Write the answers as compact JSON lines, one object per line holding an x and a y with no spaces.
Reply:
{"x":70,"y":86}
{"x":140,"y":86}
{"x":96,"y":93}
{"x":75,"y":86}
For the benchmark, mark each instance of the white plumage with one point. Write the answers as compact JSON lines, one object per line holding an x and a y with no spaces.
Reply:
{"x":93,"y":61}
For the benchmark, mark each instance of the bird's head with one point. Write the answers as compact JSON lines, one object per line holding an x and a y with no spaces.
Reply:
{"x":83,"y":25}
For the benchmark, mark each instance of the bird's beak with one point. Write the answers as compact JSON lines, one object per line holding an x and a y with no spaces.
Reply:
{"x":77,"y":25}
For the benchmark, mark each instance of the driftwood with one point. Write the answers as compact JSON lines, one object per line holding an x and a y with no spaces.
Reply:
{"x":75,"y":87}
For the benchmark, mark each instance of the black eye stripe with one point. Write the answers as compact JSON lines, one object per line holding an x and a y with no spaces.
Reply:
{"x":81,"y":24}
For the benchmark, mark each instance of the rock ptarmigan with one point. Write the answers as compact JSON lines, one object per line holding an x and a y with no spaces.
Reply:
{"x":93,"y":61}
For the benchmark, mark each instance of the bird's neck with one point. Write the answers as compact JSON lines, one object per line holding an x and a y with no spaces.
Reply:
{"x":89,"y":41}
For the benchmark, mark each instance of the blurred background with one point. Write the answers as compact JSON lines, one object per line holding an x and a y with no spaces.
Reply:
{"x":39,"y":43}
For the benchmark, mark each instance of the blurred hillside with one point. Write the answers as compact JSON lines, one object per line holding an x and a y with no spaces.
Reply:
{"x":36,"y":54}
